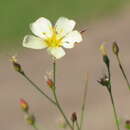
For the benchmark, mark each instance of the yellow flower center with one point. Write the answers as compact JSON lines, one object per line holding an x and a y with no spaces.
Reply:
{"x":54,"y":40}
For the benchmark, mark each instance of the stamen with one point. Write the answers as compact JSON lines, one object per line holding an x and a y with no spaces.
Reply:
{"x":53,"y":41}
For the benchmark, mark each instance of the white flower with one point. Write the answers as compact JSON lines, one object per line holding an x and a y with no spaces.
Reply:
{"x":53,"y":37}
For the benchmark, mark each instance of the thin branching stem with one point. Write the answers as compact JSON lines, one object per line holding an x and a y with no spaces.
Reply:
{"x":109,"y":88}
{"x":122,"y":70}
{"x":55,"y":96}
{"x":114,"y":110}
{"x":73,"y":125}
{"x":35,"y":127}
{"x":61,"y":111}
{"x":77,"y":124}
{"x":83,"y":104}
{"x":54,"y":72}
{"x":38,"y":88}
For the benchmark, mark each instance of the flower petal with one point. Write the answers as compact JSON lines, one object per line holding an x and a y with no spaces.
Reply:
{"x":71,"y":38}
{"x":42,"y":28}
{"x":56,"y":52}
{"x":68,"y":45}
{"x":64,"y":26}
{"x":33,"y":42}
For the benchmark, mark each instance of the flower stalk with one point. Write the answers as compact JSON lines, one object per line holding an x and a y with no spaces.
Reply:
{"x":77,"y":124}
{"x":38,"y":88}
{"x":106,"y":81}
{"x":83,"y":105}
{"x":123,"y":72}
{"x":111,"y":97}
{"x":19,"y":69}
{"x":55,"y":96}
{"x":114,"y":109}
{"x":56,"y":102}
{"x":116,"y":52}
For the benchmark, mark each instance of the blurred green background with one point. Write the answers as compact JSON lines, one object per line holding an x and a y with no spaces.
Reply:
{"x":16,"y":15}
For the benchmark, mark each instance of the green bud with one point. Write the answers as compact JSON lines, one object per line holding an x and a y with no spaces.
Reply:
{"x":16,"y":65}
{"x":30,"y":119}
{"x":106,"y":60}
{"x":115,"y":48}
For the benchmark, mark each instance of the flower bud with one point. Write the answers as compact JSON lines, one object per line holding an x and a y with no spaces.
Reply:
{"x":127,"y":124}
{"x":24,"y":105}
{"x":49,"y":82}
{"x":74,"y":117}
{"x":104,"y":54}
{"x":103,"y":50}
{"x":115,"y":48}
{"x":16,"y":65}
{"x":106,"y":60}
{"x":30,"y":119}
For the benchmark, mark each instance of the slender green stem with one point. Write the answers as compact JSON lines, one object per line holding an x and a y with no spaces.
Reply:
{"x":54,"y":73}
{"x":73,"y":125}
{"x":55,"y":96}
{"x":109,"y":74}
{"x":35,"y":126}
{"x":83,"y":105}
{"x":114,"y":110}
{"x":109,"y":88}
{"x":123,"y":72}
{"x":37,"y":88}
{"x":77,"y":124}
{"x":61,"y":111}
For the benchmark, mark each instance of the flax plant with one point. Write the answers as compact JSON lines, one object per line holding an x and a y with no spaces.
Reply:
{"x":106,"y":81}
{"x":54,"y":38}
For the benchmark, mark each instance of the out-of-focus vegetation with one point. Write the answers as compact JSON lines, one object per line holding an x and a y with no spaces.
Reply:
{"x":17,"y":14}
